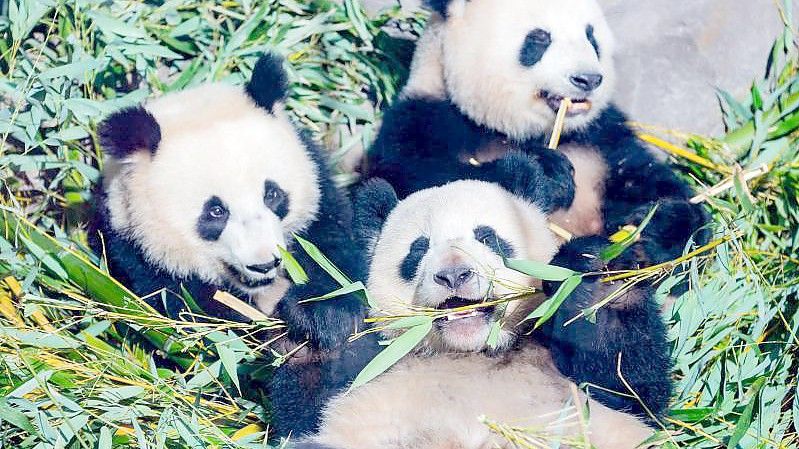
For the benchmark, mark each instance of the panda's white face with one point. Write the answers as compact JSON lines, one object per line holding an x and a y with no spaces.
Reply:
{"x":442,"y":248}
{"x":227,"y":185}
{"x":507,"y":64}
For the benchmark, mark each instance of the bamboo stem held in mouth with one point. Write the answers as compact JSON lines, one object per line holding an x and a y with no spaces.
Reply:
{"x":560,"y":119}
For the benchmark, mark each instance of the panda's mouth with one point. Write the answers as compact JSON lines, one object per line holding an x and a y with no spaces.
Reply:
{"x":579,"y":106}
{"x":248,"y":282}
{"x":474,"y":310}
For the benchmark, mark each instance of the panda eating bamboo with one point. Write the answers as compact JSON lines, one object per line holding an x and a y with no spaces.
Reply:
{"x":203,"y":188}
{"x":441,"y":250}
{"x":486,"y":83}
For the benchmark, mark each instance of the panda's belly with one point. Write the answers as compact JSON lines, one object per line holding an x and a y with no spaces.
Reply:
{"x":584,"y":217}
{"x":439,"y":402}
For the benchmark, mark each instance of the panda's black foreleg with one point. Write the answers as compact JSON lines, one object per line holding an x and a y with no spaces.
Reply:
{"x":299,"y":391}
{"x":636,"y":183}
{"x":622,"y":353}
{"x":325,"y":323}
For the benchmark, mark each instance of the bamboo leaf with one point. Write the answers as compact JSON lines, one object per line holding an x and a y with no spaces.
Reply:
{"x":398,"y":348}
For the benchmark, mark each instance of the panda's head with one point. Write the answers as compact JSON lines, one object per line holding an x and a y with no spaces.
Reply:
{"x":209,"y":182}
{"x":507,"y":64}
{"x":443,"y":248}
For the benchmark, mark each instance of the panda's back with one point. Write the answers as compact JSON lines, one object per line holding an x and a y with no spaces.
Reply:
{"x":438,"y":402}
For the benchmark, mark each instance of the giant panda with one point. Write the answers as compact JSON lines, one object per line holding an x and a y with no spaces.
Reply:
{"x":202,"y":187}
{"x":442,"y":248}
{"x":486,"y":82}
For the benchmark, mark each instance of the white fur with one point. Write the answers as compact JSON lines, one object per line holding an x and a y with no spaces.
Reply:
{"x":475,"y":52}
{"x":436,"y":402}
{"x":448,"y":215}
{"x":215,"y":141}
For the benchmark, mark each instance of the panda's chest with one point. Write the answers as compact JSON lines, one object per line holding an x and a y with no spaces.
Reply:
{"x":584,"y":217}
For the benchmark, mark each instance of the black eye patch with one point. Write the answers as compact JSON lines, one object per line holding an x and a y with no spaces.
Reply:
{"x":488,"y":237}
{"x":589,"y":33}
{"x":411,"y":262}
{"x":276,"y":199}
{"x":534,"y":47}
{"x":213,"y":219}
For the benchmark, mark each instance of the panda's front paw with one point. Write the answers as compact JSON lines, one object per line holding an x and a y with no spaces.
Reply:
{"x":581,"y":254}
{"x":674,"y":223}
{"x":326,"y":324}
{"x":544,"y":177}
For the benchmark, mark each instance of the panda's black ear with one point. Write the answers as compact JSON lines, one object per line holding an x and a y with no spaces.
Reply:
{"x":439,"y":6}
{"x":269,"y":82}
{"x":129,"y":130}
{"x":373,"y":201}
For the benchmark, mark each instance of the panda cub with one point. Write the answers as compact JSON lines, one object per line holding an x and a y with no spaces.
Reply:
{"x":200,"y":190}
{"x":486,"y":83}
{"x":440,"y":249}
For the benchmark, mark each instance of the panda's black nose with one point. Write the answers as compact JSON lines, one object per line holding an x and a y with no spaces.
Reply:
{"x":453,"y":277}
{"x":264,"y":268}
{"x":586,"y":81}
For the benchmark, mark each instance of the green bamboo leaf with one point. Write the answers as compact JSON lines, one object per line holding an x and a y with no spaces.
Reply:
{"x":493,"y":335}
{"x":323,"y":261}
{"x":345,"y":290}
{"x":616,"y":249}
{"x":548,"y":308}
{"x":15,"y":417}
{"x":292,"y":267}
{"x":398,"y":348}
{"x":539,"y":270}
{"x":230,"y":361}
{"x":745,"y":420}
{"x":115,"y":26}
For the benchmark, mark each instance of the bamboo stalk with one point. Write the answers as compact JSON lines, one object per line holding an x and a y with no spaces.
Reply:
{"x":728,"y":183}
{"x":683,"y":153}
{"x":560,"y":120}
{"x":240,"y":306}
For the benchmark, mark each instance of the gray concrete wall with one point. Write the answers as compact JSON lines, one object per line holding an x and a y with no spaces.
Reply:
{"x":673,"y":54}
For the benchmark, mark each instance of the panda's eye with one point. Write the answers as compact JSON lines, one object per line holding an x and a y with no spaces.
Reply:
{"x":276,"y":199}
{"x":484,"y":233}
{"x":213,"y":219}
{"x":535,"y":45}
{"x":217,"y":212}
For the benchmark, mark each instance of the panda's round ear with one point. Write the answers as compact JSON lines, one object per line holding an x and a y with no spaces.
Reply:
{"x":129,"y":130}
{"x":439,"y":6}
{"x":373,"y":202}
{"x":268,"y":83}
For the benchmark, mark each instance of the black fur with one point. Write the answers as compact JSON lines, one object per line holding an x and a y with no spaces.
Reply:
{"x":439,"y":6}
{"x":422,"y":141}
{"x":268,"y":83}
{"x":373,"y":202}
{"x":210,"y":227}
{"x":414,"y":257}
{"x":535,"y":45}
{"x":301,"y":389}
{"x":631,"y":328}
{"x":589,"y":34}
{"x":488,"y":236}
{"x":276,"y":199}
{"x":129,"y":130}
